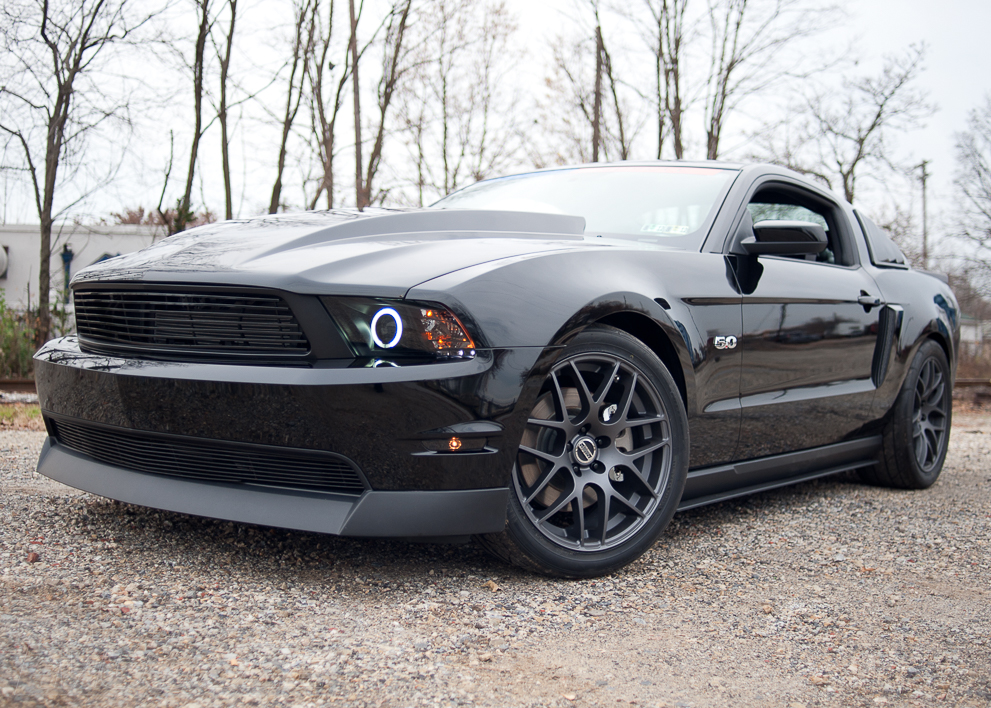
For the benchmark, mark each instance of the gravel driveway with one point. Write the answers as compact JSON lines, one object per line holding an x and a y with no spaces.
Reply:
{"x":827,"y":593}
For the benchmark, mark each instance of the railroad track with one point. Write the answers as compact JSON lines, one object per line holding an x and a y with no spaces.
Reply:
{"x":971,"y":383}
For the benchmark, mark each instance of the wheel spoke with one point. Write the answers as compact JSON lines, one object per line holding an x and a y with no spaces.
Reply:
{"x":937,"y":422}
{"x":924,"y":377}
{"x":556,"y":460}
{"x":606,"y":384}
{"x":935,"y":382}
{"x":628,"y":504}
{"x":578,"y":518}
{"x":930,"y":446}
{"x":920,"y":448}
{"x":545,"y":423}
{"x":604,"y":498}
{"x":626,"y":402}
{"x":649,"y":420}
{"x":542,"y":481}
{"x":561,"y":502}
{"x":582,"y":388}
{"x":646,"y":450}
{"x":640,"y":478}
{"x":562,"y":405}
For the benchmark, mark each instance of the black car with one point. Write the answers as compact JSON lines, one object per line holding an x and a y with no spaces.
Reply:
{"x":552,"y":362}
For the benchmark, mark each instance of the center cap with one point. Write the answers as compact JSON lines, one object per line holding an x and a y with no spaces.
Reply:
{"x":585,"y":450}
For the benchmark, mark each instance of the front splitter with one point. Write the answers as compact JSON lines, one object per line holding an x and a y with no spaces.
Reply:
{"x":371,"y":514}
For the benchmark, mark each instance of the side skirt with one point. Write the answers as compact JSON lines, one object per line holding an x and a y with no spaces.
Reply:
{"x":709,"y":485}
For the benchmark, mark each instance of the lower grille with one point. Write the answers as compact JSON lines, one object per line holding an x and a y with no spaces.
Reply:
{"x":210,"y":460}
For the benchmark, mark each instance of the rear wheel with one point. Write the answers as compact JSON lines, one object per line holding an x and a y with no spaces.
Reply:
{"x":918,"y":433}
{"x":602,"y":462}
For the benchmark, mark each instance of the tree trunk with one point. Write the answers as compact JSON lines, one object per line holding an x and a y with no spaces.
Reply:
{"x":305,"y":21}
{"x":597,"y":101}
{"x":222,"y":115}
{"x":359,"y":190}
{"x":184,"y":209}
{"x":674,"y":34}
{"x":389,"y":82}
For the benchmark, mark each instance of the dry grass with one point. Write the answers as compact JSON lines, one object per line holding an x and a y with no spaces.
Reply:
{"x":21,"y":416}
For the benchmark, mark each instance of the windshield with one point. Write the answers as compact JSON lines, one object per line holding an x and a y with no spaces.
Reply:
{"x":656,"y":203}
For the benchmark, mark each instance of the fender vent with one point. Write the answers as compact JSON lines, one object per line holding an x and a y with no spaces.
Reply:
{"x":887,"y":326}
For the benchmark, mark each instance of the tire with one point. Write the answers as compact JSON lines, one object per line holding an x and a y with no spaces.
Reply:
{"x":602,"y":463}
{"x":917,"y":433}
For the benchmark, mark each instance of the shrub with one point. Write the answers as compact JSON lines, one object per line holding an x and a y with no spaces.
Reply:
{"x":16,"y":342}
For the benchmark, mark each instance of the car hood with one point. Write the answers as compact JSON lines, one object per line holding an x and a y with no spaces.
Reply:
{"x":380,"y":252}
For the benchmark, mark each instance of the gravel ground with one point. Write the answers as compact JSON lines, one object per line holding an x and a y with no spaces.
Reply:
{"x":830,"y":593}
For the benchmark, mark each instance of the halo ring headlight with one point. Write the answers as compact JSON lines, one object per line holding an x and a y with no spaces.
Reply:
{"x":387,"y":312}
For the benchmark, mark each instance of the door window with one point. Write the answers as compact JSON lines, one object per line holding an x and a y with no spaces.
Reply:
{"x":786,"y":203}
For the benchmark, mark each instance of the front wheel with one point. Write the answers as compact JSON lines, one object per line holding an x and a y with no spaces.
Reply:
{"x":602,"y":462}
{"x":917,"y":434}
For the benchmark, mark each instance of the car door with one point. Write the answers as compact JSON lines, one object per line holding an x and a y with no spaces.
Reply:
{"x":810,"y":328}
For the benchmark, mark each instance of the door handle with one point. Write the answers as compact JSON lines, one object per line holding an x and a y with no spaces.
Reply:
{"x":868,"y":301}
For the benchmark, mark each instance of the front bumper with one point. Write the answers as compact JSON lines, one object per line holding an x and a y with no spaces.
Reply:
{"x":391,"y":423}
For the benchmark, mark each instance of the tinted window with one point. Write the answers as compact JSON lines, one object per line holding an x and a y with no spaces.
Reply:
{"x":777,"y":202}
{"x":785,"y":212}
{"x":883,"y":250}
{"x":662,"y":203}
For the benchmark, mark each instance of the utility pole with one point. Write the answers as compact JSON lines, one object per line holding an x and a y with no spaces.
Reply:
{"x":925,"y":231}
{"x":597,"y":107}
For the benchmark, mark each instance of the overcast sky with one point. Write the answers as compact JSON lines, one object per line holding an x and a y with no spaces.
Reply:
{"x":957,"y":76}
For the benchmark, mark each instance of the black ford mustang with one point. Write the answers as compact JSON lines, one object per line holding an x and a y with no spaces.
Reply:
{"x":552,"y":362}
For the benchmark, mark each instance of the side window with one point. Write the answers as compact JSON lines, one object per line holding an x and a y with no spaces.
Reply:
{"x":789,"y":204}
{"x":884,"y":252}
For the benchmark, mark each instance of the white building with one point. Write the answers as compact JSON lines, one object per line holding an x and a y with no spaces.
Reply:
{"x":73,"y":247}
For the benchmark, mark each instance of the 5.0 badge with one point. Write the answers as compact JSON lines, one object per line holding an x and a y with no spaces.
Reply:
{"x":725,"y":342}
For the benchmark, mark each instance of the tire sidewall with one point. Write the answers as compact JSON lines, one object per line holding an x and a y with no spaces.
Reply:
{"x":564,"y":562}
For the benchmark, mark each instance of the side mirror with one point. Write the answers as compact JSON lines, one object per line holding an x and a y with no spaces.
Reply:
{"x":785,"y":238}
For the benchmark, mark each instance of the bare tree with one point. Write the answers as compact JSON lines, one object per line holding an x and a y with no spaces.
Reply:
{"x":360,"y":197}
{"x":973,"y":182}
{"x":747,"y":40}
{"x":324,"y":110}
{"x":597,"y":94}
{"x":452,"y":98}
{"x":225,"y":63}
{"x":613,"y":128}
{"x":666,"y":32}
{"x":52,"y":101}
{"x":841,"y":132}
{"x":184,"y":208}
{"x":304,"y":23}
{"x":393,"y":70}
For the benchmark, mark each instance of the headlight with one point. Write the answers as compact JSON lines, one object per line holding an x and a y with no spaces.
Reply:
{"x":391,"y":328}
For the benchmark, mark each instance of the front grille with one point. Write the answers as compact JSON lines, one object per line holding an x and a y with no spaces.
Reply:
{"x":210,"y":460}
{"x":187,"y":325}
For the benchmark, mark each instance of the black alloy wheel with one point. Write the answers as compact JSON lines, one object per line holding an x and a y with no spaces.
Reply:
{"x":602,"y":461}
{"x":930,"y":414}
{"x":917,"y":434}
